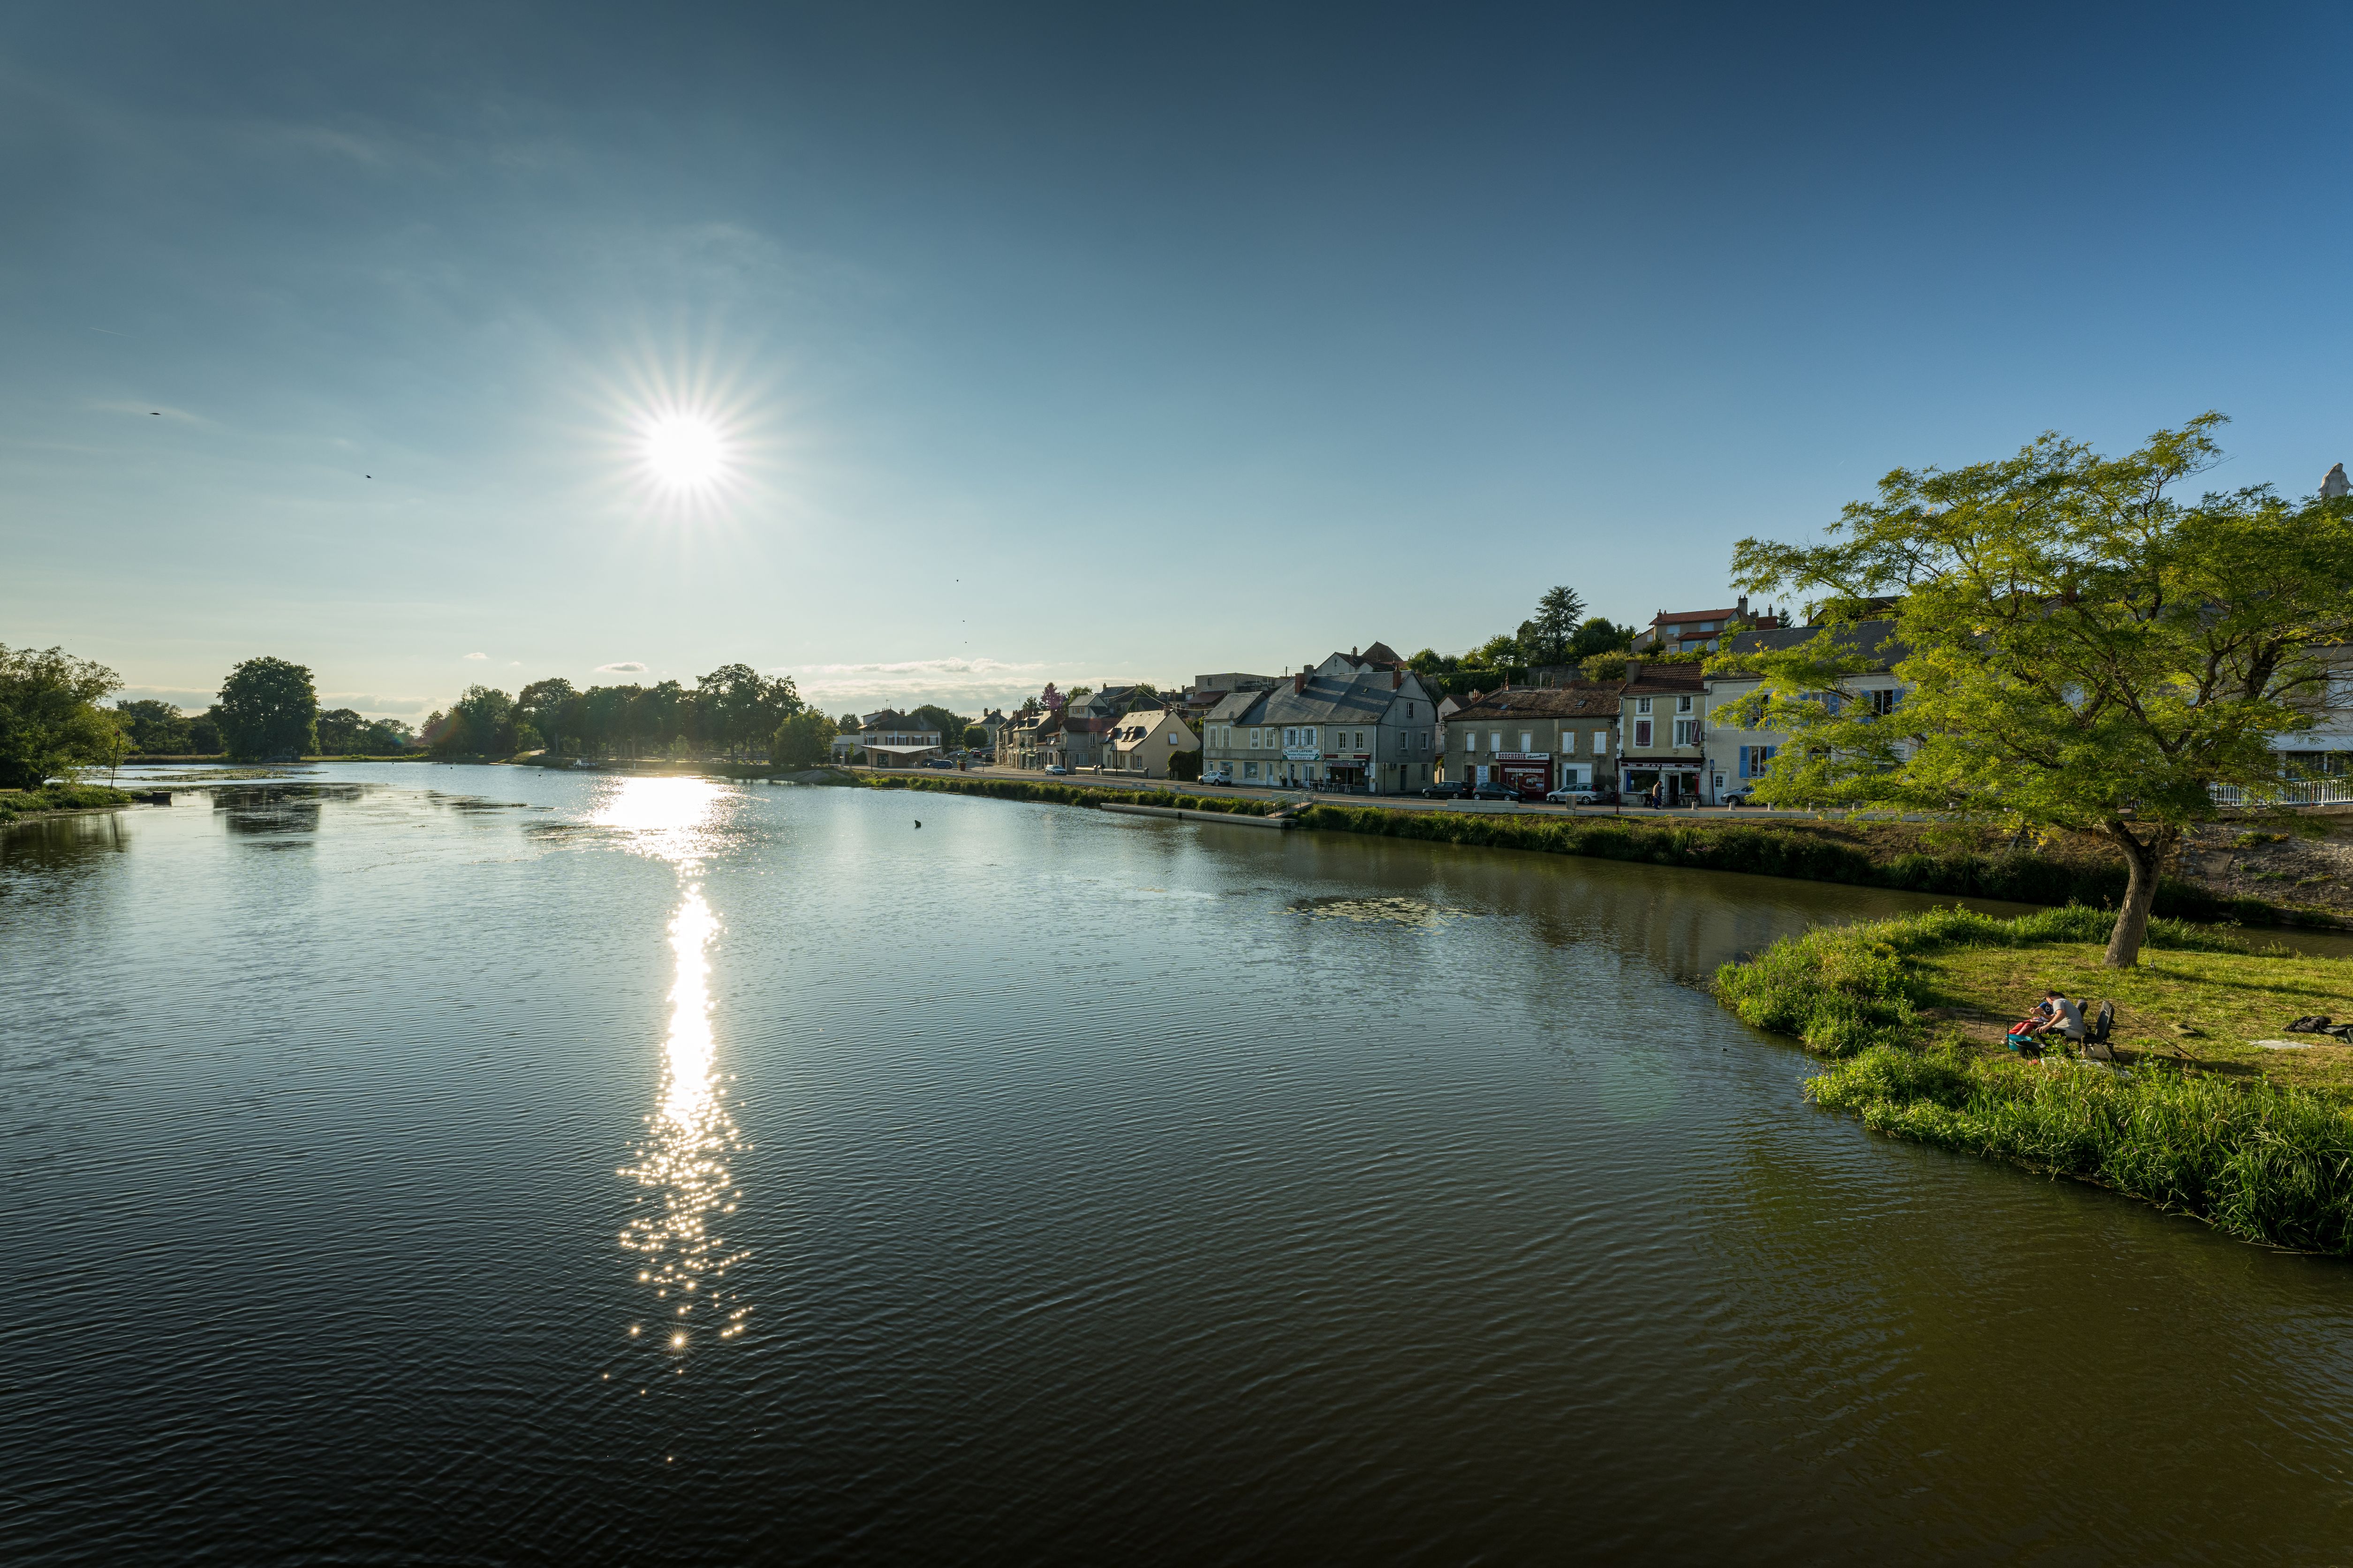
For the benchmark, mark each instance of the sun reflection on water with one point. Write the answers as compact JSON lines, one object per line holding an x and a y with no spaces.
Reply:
{"x":682,"y":1158}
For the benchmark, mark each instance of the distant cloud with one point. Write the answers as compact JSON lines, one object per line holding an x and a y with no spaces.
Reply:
{"x":368,"y":703}
{"x":478,"y":655}
{"x":964,"y":685}
{"x":627,"y":667}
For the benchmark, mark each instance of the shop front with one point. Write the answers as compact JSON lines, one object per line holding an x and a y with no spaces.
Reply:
{"x":1528,"y":772}
{"x":1349,"y":771}
{"x":1680,"y":781}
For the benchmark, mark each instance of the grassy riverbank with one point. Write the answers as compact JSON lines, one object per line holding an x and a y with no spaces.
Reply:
{"x":2203,"y":1120}
{"x":57,"y":797}
{"x":1899,"y":855}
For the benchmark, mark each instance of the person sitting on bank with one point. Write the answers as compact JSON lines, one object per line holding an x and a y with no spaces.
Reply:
{"x":2057,"y":1015}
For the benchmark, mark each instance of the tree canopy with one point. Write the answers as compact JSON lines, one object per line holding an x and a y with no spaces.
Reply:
{"x":51,"y":723}
{"x":2081,"y":649}
{"x":803,"y":741}
{"x":267,"y":709}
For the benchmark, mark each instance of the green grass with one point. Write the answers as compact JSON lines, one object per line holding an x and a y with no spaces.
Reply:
{"x":2259,"y":1144}
{"x":2020,"y":877}
{"x":16,"y":803}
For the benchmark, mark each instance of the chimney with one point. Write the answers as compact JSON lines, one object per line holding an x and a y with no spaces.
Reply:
{"x":1352,"y":653}
{"x":1299,"y":683}
{"x":1396,"y":679}
{"x":1743,"y":607}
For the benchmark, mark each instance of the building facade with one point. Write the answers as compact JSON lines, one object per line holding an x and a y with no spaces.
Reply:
{"x":1661,"y":714}
{"x":1534,"y":740}
{"x":887,"y":739}
{"x":1738,"y":752}
{"x":1340,"y":726}
{"x":1146,"y":745}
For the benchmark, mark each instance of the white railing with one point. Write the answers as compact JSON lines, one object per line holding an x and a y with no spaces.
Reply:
{"x":2296,"y":792}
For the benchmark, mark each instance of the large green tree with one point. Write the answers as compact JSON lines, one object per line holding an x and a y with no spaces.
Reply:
{"x":2082,"y":649}
{"x":481,"y":723}
{"x":339,"y":731}
{"x":269,"y":710}
{"x":803,"y":741}
{"x":545,"y":704}
{"x":1545,"y":638}
{"x":49,"y":719}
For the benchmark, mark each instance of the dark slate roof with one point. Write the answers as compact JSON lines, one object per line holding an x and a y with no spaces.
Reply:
{"x":1543,"y":702}
{"x":1643,"y":679}
{"x":1877,"y":638}
{"x":1328,"y":699}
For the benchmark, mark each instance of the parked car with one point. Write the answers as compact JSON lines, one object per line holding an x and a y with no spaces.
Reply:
{"x":1447,"y":792}
{"x":1215,"y":776}
{"x":939,"y":762}
{"x":1494,"y":792}
{"x":1576,"y":795}
{"x":1058,"y":768}
{"x":1737,"y":796}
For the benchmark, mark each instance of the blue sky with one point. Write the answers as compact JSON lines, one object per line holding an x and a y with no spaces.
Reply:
{"x":1084,"y":341}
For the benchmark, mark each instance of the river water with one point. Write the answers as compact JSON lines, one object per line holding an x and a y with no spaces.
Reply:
{"x":474,"y":1164}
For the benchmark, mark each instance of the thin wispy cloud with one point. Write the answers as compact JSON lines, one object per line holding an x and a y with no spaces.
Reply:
{"x":624,"y":667}
{"x":964,"y":685}
{"x":478,"y":655}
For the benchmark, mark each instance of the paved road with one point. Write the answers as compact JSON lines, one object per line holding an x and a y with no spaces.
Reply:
{"x":1389,"y":802}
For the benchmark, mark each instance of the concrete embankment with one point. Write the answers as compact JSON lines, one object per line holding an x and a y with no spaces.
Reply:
{"x":1179,"y":813}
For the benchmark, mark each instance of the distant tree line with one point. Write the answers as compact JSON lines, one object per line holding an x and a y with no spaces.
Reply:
{"x":1559,"y":635}
{"x":734,"y":711}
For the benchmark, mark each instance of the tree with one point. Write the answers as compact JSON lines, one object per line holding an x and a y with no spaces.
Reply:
{"x":384,"y":737}
{"x":2084,"y":651}
{"x":738,"y":708}
{"x":157,"y":728}
{"x":1546,"y":639}
{"x":975,"y":737}
{"x":949,"y":725}
{"x":803,"y":741}
{"x":481,"y":723}
{"x":339,"y":731}
{"x":49,"y":718}
{"x":543,"y":703}
{"x":1598,"y":635}
{"x":268,"y":711}
{"x":205,"y":733}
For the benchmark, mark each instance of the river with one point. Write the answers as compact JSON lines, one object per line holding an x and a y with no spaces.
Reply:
{"x":478,"y":1164}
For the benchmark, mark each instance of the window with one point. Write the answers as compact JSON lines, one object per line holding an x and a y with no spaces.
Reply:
{"x":1683,"y":704}
{"x":1686,"y":731}
{"x":1470,"y":741}
{"x":1568,"y":742}
{"x":1642,"y":732}
{"x":1527,"y":740}
{"x":1641,"y":705}
{"x":1249,"y":770}
{"x":1882,"y":701}
{"x":1600,"y":742}
{"x":1494,"y":740}
{"x":1753,"y":760}
{"x":1253,"y":746}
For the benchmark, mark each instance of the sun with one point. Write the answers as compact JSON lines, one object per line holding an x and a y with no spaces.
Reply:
{"x":685,"y":452}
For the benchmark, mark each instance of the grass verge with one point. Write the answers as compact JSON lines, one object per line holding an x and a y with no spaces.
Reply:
{"x":2201,"y":1121}
{"x":16,"y":803}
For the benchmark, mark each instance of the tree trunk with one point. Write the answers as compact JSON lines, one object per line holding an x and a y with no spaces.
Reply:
{"x":2142,"y":862}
